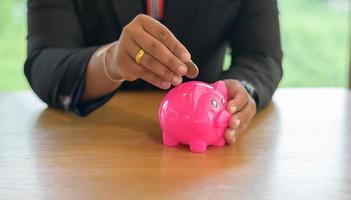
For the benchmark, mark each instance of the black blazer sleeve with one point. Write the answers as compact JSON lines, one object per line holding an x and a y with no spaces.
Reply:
{"x":256,"y":49}
{"x":56,"y":58}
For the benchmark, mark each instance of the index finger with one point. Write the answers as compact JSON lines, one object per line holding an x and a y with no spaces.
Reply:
{"x":159,"y":51}
{"x":238,"y":103}
{"x":166,"y":37}
{"x":238,"y":97}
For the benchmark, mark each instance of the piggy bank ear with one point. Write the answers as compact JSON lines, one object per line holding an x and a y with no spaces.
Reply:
{"x":220,"y":85}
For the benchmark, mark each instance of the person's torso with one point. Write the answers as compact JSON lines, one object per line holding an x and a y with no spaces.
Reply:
{"x":203,"y":26}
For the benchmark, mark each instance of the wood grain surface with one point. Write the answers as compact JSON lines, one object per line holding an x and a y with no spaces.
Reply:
{"x":299,"y":147}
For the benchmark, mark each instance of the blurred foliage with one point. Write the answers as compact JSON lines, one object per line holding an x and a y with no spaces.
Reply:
{"x":315,"y":39}
{"x":12,"y":44}
{"x":315,"y":42}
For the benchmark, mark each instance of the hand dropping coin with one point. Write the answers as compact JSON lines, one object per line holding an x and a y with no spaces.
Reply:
{"x":193,"y":70}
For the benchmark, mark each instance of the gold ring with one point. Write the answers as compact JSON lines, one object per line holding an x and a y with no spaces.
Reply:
{"x":139,"y":56}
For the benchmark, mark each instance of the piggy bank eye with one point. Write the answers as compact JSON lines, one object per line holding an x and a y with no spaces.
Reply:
{"x":214,"y":103}
{"x":223,"y":101}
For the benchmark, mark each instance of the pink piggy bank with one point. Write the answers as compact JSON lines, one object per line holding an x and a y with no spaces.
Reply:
{"x":194,"y":113}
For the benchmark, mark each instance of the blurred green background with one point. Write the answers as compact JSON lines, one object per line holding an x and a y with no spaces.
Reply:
{"x":315,"y":38}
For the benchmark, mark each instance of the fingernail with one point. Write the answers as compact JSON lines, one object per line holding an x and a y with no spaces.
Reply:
{"x":166,"y":85}
{"x":234,"y":139}
{"x":232,"y":134}
{"x":177,"y":80}
{"x":182,"y":69}
{"x":185,"y":57}
{"x":233,"y":109}
{"x":237,"y":123}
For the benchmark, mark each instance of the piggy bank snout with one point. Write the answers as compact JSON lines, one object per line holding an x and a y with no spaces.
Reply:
{"x":222,"y":119}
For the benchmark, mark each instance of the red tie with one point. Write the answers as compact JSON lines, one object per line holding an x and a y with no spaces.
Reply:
{"x":155,"y":8}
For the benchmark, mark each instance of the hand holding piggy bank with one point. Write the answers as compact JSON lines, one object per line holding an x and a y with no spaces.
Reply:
{"x":194,"y":113}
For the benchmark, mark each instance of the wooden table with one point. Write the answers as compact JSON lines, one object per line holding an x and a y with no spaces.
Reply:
{"x":299,"y":147}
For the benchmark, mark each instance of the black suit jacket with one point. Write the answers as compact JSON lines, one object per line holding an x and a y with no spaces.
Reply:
{"x":63,"y":35}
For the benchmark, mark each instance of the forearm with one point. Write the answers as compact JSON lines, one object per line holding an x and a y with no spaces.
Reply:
{"x":256,"y":48}
{"x":98,"y":83}
{"x":55,"y":74}
{"x":60,"y":67}
{"x":262,"y":71}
